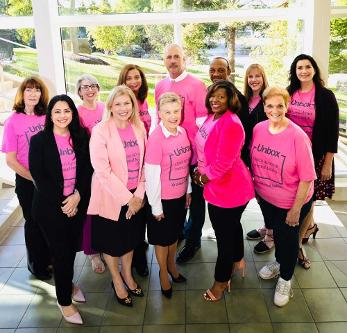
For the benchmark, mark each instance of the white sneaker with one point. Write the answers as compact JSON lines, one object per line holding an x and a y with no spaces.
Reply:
{"x":270,"y":271}
{"x":283,"y":292}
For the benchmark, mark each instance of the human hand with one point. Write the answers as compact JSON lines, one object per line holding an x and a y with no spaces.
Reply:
{"x":134,"y":205}
{"x":292,"y":218}
{"x":70,"y":204}
{"x":159,"y":217}
{"x":326,"y":172}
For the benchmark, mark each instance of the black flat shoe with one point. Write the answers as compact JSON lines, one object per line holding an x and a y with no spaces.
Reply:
{"x":138,"y":292}
{"x":168,"y":292}
{"x":179,"y":279}
{"x":127,"y":301}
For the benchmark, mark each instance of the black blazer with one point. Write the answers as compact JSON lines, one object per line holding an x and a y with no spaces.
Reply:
{"x":46,"y":170}
{"x":326,"y":126}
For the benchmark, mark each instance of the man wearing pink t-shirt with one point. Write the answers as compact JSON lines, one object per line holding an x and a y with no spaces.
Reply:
{"x":192,"y":92}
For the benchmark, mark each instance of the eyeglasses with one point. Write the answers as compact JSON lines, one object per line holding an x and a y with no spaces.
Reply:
{"x":92,"y":86}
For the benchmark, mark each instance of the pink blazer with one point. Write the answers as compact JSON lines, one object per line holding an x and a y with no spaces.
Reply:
{"x":230,"y":182}
{"x":109,"y":191}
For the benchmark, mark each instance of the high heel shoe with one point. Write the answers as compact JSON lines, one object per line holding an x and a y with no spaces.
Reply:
{"x":73,"y":319}
{"x":180,"y":278}
{"x":168,"y":292}
{"x":240,"y":266}
{"x":303,"y":261}
{"x":310,"y":231}
{"x":138,"y":292}
{"x":127,"y":301}
{"x":78,"y":295}
{"x":210,"y":297}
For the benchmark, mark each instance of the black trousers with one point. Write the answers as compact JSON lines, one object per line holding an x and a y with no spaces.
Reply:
{"x":38,"y":255}
{"x":286,"y":238}
{"x":193,"y":229}
{"x":63,"y":235}
{"x":229,"y":235}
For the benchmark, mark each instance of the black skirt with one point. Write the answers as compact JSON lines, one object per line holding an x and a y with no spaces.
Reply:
{"x":323,"y":188}
{"x":166,"y":231}
{"x":117,"y":238}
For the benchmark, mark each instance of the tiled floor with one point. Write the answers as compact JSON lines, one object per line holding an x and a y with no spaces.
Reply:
{"x":319,"y":304}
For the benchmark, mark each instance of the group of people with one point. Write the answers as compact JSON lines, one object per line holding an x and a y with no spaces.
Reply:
{"x":94,"y":177}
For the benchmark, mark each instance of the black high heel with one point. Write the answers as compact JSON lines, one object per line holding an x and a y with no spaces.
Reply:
{"x":138,"y":292}
{"x":303,"y":261}
{"x":127,"y":301}
{"x":168,"y":292}
{"x":310,"y":231}
{"x":179,"y":279}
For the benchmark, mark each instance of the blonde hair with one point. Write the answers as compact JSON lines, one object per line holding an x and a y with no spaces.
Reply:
{"x":248,"y":92}
{"x":168,"y":98}
{"x":276,"y":91}
{"x":120,"y":91}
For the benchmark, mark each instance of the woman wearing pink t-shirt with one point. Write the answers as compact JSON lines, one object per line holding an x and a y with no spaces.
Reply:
{"x":90,"y":113}
{"x":60,"y":165}
{"x":226,"y":180}
{"x":314,"y":108}
{"x":134,"y":78}
{"x":254,"y":85}
{"x":27,"y":119}
{"x":117,"y":148}
{"x":168,"y":154}
{"x":283,"y":173}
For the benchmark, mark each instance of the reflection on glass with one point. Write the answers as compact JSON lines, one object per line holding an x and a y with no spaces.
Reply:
{"x":191,"y":5}
{"x":16,"y":8}
{"x":80,"y":7}
{"x":18,"y":59}
{"x":272,"y":44}
{"x":338,"y":67}
{"x":102,"y":51}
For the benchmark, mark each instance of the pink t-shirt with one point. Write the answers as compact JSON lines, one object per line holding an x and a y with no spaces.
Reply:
{"x":253,"y":102}
{"x":193,"y":93}
{"x":173,"y":155}
{"x":89,"y":118}
{"x":301,"y":110}
{"x":200,"y":140}
{"x":144,"y":115}
{"x":132,"y":152}
{"x":18,"y":130}
{"x":279,"y":162}
{"x":68,"y":162}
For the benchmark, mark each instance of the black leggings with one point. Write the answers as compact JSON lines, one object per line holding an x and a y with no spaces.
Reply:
{"x":286,"y":238}
{"x":38,"y":255}
{"x":229,"y":235}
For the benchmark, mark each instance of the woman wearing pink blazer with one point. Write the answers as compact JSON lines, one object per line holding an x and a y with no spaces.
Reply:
{"x":226,"y":180}
{"x":116,"y":149}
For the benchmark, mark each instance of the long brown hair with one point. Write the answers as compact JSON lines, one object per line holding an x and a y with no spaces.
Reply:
{"x":32,"y":82}
{"x":247,"y":91}
{"x":143,"y":91}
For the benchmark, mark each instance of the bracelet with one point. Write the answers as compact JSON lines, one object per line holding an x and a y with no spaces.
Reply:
{"x":200,"y":180}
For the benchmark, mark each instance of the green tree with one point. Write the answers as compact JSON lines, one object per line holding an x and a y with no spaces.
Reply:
{"x":338,"y":43}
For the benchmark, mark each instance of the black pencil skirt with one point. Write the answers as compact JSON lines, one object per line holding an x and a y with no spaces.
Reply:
{"x":117,"y":238}
{"x":166,"y":231}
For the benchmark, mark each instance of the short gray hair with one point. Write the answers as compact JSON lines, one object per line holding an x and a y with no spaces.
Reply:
{"x":86,"y":77}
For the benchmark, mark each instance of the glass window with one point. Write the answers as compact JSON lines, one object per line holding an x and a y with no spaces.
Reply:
{"x":338,"y":67}
{"x":80,"y":7}
{"x":273,"y":45}
{"x":102,"y":51}
{"x":192,"y":5}
{"x":16,"y":8}
{"x":18,"y":59}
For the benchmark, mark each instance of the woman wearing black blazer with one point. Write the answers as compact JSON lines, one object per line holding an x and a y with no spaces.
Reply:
{"x":60,"y":166}
{"x":314,"y":108}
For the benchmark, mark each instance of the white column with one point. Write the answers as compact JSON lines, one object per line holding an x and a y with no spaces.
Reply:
{"x":48,"y":44}
{"x":178,"y":38}
{"x":317,"y":33}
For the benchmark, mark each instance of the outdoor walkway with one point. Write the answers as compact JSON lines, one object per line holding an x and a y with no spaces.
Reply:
{"x":319,"y":303}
